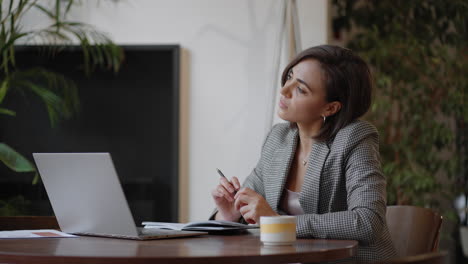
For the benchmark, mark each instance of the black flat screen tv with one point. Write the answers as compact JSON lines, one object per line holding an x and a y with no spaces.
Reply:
{"x":132,"y":114}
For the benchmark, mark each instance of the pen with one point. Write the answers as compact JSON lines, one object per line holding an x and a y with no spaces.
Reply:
{"x":222,"y":175}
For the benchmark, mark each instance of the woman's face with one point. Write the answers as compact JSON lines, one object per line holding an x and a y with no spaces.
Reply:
{"x":303,"y":95}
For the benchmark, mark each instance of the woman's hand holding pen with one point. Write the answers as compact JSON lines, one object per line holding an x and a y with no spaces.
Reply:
{"x":223,"y":195}
{"x":252,"y":205}
{"x":232,"y":203}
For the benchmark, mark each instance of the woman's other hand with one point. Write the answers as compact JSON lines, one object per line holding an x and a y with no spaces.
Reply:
{"x":252,"y":205}
{"x":223,"y":195}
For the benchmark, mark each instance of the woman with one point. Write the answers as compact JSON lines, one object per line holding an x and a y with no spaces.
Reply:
{"x":322,"y":166}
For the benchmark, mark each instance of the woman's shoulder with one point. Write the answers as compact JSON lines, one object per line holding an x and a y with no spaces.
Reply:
{"x":282,"y":131}
{"x":358,"y":127}
{"x":282,"y":128}
{"x":280,"y":134}
{"x":354,"y":133}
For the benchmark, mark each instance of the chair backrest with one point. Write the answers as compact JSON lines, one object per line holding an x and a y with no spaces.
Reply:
{"x":429,"y":258}
{"x":414,"y":230}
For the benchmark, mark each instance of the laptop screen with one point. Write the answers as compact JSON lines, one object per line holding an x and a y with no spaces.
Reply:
{"x":85,"y":193}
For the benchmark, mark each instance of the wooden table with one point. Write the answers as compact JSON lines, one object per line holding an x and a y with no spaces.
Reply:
{"x":245,"y":248}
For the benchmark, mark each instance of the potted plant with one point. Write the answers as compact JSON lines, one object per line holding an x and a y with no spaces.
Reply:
{"x":418,"y":53}
{"x":58,"y":93}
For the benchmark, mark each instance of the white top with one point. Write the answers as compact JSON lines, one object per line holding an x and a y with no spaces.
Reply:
{"x":290,"y":203}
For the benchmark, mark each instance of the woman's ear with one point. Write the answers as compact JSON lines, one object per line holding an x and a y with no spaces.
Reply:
{"x":332,"y":108}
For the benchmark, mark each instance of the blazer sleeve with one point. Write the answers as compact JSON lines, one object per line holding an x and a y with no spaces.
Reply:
{"x":366,"y":198}
{"x":255,"y":179}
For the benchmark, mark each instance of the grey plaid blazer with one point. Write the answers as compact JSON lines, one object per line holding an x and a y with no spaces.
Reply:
{"x":343,"y":195}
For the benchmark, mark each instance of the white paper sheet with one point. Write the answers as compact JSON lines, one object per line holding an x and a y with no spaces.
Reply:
{"x":39,"y":233}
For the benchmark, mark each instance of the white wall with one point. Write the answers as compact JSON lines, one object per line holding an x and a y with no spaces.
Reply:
{"x":228,"y":49}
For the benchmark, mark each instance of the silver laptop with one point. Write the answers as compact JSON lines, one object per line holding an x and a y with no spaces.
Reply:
{"x":87,"y":197}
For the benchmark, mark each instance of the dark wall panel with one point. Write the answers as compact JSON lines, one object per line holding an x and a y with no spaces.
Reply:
{"x":132,"y":114}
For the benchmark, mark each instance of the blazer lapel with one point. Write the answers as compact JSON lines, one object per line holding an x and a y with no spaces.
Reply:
{"x":309,"y":197}
{"x":279,"y":170}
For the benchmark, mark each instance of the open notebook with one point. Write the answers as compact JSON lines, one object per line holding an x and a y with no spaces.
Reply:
{"x":207,"y":226}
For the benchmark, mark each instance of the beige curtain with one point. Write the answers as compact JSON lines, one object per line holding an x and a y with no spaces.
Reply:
{"x":288,"y":44}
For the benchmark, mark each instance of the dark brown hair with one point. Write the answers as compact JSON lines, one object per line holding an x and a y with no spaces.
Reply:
{"x":347,"y":79}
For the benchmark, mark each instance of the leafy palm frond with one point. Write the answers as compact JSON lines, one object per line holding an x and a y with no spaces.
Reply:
{"x":98,"y":49}
{"x":58,"y":93}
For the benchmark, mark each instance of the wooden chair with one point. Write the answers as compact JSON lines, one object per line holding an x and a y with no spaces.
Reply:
{"x":429,"y":258}
{"x":28,"y":222}
{"x":414,"y":230}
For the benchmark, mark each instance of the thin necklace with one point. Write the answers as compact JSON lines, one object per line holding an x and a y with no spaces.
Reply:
{"x":304,"y":161}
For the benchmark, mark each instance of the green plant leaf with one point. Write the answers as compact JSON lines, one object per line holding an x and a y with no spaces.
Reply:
{"x":3,"y":90}
{"x":69,"y":5}
{"x":417,"y":55}
{"x":11,"y":41}
{"x":59,"y":94}
{"x":16,"y":205}
{"x":44,"y":10}
{"x":14,"y":160}
{"x":36,"y":179}
{"x":57,"y":10}
{"x":53,"y":102}
{"x":7,"y":112}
